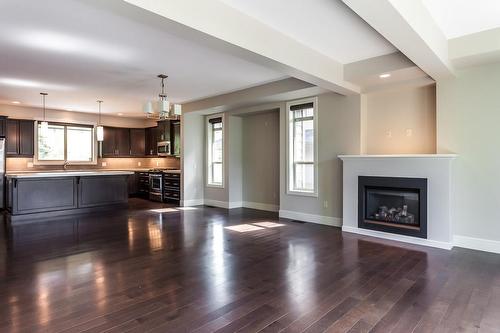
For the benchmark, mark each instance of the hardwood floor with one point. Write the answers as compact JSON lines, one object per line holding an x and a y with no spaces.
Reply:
{"x":212,"y":270}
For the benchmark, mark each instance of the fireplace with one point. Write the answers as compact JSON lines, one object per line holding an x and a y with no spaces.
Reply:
{"x":395,"y":205}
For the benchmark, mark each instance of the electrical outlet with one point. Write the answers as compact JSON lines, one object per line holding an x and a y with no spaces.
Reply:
{"x":325,"y":204}
{"x":409,"y":132}
{"x":157,"y":163}
{"x":29,"y":164}
{"x":388,"y":134}
{"x":139,"y":163}
{"x":104,"y":164}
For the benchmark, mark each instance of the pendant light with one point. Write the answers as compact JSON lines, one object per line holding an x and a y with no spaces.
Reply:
{"x":99,"y":129}
{"x":44,"y":125}
{"x":162,"y":109}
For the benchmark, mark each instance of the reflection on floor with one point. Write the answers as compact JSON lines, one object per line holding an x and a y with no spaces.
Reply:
{"x":165,"y":269}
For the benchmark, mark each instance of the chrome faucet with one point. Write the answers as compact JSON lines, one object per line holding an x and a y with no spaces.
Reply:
{"x":65,"y":165}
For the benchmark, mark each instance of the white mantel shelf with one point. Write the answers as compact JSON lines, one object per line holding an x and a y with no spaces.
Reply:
{"x":431,"y":156}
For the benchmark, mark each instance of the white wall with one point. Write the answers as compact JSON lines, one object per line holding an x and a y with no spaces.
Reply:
{"x":261,"y":159}
{"x":338,"y":133}
{"x":401,"y":121}
{"x":468,"y":120}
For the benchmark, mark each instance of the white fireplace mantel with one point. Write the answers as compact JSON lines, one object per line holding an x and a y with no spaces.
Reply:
{"x":435,"y":167}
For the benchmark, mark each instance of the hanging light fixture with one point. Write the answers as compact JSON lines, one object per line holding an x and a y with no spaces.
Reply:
{"x":162,"y":109}
{"x":99,"y":129}
{"x":44,"y":125}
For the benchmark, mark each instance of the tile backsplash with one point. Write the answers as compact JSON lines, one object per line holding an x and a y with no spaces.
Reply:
{"x":26,"y":164}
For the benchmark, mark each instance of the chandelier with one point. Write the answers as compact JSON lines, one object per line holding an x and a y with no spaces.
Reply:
{"x":162,"y":109}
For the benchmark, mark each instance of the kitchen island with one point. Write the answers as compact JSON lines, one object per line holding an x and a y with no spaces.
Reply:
{"x":41,"y":195}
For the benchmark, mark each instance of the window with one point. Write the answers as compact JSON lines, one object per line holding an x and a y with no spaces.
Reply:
{"x":215,"y":154}
{"x":61,"y":143}
{"x":302,"y":147}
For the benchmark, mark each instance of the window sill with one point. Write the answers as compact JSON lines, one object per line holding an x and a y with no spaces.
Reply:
{"x":303,"y":193}
{"x":215,"y":185}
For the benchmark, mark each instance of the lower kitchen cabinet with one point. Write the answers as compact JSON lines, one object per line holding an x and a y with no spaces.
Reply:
{"x":171,"y":187}
{"x":54,"y":196}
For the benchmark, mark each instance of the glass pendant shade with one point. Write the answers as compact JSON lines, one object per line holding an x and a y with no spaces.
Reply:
{"x":44,"y":127}
{"x":177,"y":110}
{"x":163,"y":106}
{"x":148,"y":108}
{"x":100,"y":133}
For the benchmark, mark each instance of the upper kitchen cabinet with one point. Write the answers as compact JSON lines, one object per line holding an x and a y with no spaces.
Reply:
{"x":175,"y":137}
{"x":137,"y":141}
{"x":163,"y":130}
{"x":152,"y":141}
{"x":3,"y":120}
{"x":116,"y":142}
{"x":20,"y":137}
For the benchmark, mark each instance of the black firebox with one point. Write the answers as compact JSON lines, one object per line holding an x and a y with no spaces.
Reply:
{"x":393,"y":204}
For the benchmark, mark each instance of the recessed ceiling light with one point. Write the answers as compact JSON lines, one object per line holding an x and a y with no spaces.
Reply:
{"x":120,"y":114}
{"x":384,"y":76}
{"x":16,"y":102}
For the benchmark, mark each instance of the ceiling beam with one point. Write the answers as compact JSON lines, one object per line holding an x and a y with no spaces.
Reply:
{"x":410,"y":28}
{"x":286,"y":89}
{"x":475,"y":49}
{"x":260,"y":43}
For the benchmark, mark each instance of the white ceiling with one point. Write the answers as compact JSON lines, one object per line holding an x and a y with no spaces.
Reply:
{"x":458,"y":18}
{"x":327,"y":26}
{"x":83,"y":50}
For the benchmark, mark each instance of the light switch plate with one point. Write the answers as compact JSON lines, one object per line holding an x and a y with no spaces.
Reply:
{"x":104,"y":164}
{"x":29,"y":164}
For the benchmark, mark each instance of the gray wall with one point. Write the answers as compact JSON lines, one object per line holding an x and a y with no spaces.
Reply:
{"x":338,"y":133}
{"x":261,"y":158}
{"x":468,"y":119}
{"x":234,"y":160}
{"x":193,"y":154}
{"x":401,"y":121}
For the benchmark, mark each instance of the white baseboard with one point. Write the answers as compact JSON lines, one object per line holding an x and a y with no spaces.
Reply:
{"x":399,"y":238}
{"x":476,"y":243}
{"x":216,"y":203}
{"x":261,"y":206}
{"x":192,"y":202}
{"x":319,"y":219}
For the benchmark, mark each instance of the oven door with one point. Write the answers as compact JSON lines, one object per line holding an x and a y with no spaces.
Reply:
{"x":155,"y":183}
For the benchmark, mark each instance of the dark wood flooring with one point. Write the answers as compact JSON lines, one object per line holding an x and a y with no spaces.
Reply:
{"x":212,"y":270}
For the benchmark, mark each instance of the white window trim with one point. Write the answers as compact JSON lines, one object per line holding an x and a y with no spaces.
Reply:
{"x":94,"y":150}
{"x":289,"y":146}
{"x":208,"y":149}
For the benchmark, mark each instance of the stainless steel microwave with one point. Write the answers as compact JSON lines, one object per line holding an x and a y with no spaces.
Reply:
{"x":164,"y":148}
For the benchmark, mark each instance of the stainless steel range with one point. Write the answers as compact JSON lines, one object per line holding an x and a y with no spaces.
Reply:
{"x":156,"y":185}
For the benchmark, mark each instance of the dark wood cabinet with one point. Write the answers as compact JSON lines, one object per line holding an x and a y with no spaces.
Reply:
{"x":109,"y":142}
{"x":152,"y":141}
{"x":3,"y":121}
{"x":137,"y":141}
{"x":123,"y":141}
{"x":163,"y":130}
{"x":116,"y":142}
{"x":20,"y":137}
{"x":26,"y":137}
{"x":12,"y":137}
{"x":171,"y":186}
{"x":175,"y":137}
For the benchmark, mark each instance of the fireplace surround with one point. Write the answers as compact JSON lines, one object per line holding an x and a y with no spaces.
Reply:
{"x":396,"y":205}
{"x":436,"y":168}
